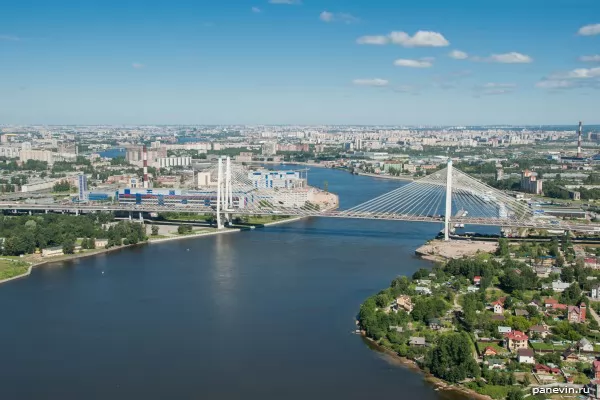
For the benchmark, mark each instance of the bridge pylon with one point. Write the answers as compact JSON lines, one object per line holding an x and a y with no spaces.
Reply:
{"x":448,"y":201}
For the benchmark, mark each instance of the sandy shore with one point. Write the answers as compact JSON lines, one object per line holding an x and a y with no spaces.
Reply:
{"x":440,"y":250}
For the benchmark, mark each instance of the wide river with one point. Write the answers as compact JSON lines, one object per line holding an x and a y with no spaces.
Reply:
{"x":264,"y":314}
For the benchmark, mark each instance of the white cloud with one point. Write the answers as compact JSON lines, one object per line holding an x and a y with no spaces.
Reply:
{"x":137,"y":65}
{"x":327,"y":16}
{"x":490,"y":85}
{"x":288,"y":2}
{"x":589,"y":30}
{"x":256,"y":10}
{"x":412,"y":63}
{"x":376,"y":40}
{"x":574,"y":79}
{"x":371,"y":82}
{"x":420,"y":39}
{"x":458,"y":55}
{"x":510,"y":58}
{"x":584,"y":73}
{"x":594,"y":58}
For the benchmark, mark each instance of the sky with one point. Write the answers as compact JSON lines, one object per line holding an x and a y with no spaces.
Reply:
{"x":313,"y":62}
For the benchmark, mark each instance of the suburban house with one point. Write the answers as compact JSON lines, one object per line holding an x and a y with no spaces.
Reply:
{"x":545,"y":369}
{"x":521,"y":313}
{"x":489,"y":351}
{"x":596,"y":369}
{"x":585,"y":345}
{"x":504,"y":329}
{"x":576,"y":314}
{"x":541,"y":330}
{"x":52,"y":251}
{"x":416,"y":341}
{"x":495,"y":363}
{"x":525,"y":356}
{"x":434,"y":324}
{"x":498,"y":306}
{"x":476,"y":280}
{"x":515,"y":340}
{"x":100,"y":243}
{"x":595,"y":292}
{"x":423,"y":290}
{"x":570,"y":355}
{"x":553,"y":304}
{"x":404,"y":302}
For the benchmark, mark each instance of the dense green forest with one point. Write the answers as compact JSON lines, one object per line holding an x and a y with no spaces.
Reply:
{"x":25,"y":234}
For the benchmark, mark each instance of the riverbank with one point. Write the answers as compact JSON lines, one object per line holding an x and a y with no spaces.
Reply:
{"x":412,"y":365}
{"x":397,"y":178}
{"x":36,"y":260}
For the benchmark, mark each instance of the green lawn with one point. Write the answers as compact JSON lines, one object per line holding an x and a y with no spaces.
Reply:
{"x":10,"y":269}
{"x":544,"y":346}
{"x":482,"y":345}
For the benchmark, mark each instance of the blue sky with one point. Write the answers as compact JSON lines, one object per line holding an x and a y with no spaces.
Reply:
{"x":300,"y":62}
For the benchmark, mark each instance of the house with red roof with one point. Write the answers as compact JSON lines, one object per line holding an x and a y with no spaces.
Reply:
{"x":576,"y":314}
{"x":489,"y":351}
{"x":476,"y":280}
{"x":596,"y":369}
{"x":544,"y":369}
{"x":516,"y":340}
{"x":498,"y":305}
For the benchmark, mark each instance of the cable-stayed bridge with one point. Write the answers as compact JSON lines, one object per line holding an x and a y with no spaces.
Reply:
{"x":447,"y":196}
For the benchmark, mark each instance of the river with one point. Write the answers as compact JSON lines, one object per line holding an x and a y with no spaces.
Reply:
{"x":264,"y":314}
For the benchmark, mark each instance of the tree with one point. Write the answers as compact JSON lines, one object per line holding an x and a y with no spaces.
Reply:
{"x":560,"y":261}
{"x":154,"y":230}
{"x":515,"y":393}
{"x":503,"y":249}
{"x":68,"y":246}
{"x":452,"y":358}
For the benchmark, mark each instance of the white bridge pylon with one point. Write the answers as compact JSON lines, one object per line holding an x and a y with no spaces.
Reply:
{"x":449,"y":195}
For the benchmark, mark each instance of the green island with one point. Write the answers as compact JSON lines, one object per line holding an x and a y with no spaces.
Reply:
{"x":497,"y":325}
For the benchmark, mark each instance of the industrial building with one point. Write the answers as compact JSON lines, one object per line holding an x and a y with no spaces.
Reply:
{"x":276,"y":179}
{"x":82,"y":185}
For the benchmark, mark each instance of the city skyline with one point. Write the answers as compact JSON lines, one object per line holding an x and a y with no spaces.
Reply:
{"x":299,"y":63}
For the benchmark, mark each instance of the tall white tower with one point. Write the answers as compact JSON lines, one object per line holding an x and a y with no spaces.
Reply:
{"x":448,"y":201}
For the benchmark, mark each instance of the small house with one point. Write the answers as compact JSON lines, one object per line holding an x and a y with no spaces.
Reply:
{"x":417,"y":341}
{"x":525,"y":356}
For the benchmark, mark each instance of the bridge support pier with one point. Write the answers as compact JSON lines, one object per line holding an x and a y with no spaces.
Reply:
{"x":448,"y":201}
{"x":141,"y":216}
{"x":219,"y":192}
{"x":130,"y":217}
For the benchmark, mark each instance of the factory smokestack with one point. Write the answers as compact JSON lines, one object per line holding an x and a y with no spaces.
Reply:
{"x":145,"y":159}
{"x":579,"y":155}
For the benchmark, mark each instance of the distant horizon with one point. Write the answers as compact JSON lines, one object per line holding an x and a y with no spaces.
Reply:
{"x":418,"y":126}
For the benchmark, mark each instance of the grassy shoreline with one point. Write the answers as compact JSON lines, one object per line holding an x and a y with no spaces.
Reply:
{"x":31,"y":261}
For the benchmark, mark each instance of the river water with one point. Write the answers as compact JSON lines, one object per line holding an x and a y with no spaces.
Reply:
{"x":265,"y":314}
